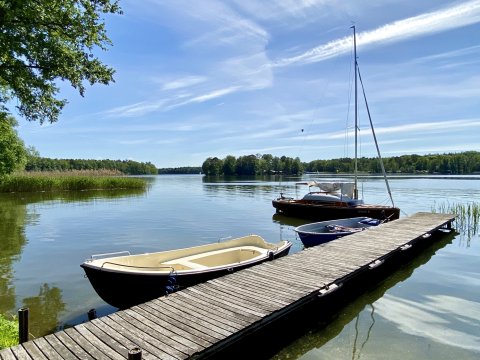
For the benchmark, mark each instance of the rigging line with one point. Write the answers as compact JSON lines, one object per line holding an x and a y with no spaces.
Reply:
{"x":354,"y":350}
{"x":375,"y":138}
{"x":372,"y":313}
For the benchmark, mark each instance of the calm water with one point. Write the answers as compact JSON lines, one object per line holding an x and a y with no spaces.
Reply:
{"x":429,"y":309}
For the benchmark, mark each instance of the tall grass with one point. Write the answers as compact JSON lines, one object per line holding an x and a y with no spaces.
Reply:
{"x":65,"y":181}
{"x":8,"y":332}
{"x":467,"y":216}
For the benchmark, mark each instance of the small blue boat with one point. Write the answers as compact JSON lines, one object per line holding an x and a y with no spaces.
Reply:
{"x":321,"y":232}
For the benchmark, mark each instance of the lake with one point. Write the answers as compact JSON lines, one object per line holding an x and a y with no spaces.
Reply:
{"x":428,"y":309}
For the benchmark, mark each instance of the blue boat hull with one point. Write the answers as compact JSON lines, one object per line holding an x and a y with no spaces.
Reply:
{"x":324,"y":231}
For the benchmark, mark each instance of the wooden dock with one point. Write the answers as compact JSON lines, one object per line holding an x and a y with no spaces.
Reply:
{"x":210,"y":319}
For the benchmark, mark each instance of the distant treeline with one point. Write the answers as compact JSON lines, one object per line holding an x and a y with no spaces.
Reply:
{"x":457,"y":163}
{"x":128,"y":167}
{"x":181,"y":170}
{"x":252,"y":165}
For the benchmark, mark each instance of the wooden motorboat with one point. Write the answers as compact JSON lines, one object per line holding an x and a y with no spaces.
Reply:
{"x":123,"y":280}
{"x":332,"y":201}
{"x":324,"y":231}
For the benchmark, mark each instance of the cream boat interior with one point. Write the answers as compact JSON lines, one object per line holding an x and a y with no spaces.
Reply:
{"x":233,"y":252}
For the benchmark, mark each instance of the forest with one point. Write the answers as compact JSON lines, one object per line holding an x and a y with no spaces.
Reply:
{"x":128,"y":167}
{"x":457,"y":163}
{"x":252,"y":165}
{"x":453,"y":163}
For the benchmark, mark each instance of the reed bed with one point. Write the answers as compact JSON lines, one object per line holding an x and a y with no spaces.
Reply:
{"x":467,"y":216}
{"x":67,"y":173}
{"x":69,"y":181}
{"x":8,"y":332}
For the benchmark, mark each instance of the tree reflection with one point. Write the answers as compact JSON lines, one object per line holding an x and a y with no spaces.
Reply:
{"x":15,"y":215}
{"x":44,"y":310}
{"x":12,"y":240}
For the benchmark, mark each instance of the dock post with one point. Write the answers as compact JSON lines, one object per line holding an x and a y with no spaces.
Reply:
{"x":135,"y":354}
{"x":22,"y":325}
{"x":92,"y":314}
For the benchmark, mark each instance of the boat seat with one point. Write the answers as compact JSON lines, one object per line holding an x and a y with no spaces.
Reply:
{"x":186,"y":263}
{"x":189,"y":261}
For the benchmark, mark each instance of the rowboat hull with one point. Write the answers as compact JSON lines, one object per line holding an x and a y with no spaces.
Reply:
{"x":124,"y":281}
{"x":324,"y":231}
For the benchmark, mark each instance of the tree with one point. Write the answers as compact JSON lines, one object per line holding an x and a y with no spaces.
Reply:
{"x":13,"y":154}
{"x":44,"y":41}
{"x":212,"y":166}
{"x":229,"y":164}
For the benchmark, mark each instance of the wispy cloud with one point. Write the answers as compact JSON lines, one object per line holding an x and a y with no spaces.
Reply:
{"x":450,"y":54}
{"x":228,"y":27}
{"x":268,"y":9}
{"x":135,"y":110}
{"x":254,"y":72}
{"x":242,"y":73}
{"x":204,"y":97}
{"x":433,"y":22}
{"x":431,"y":127}
{"x":183,"y":82}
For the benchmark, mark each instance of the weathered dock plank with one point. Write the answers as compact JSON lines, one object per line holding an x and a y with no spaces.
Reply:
{"x":204,"y":319}
{"x":207,"y":315}
{"x":33,"y":351}
{"x":186,"y":335}
{"x":45,"y":348}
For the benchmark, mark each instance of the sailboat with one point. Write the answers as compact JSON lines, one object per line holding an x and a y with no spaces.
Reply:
{"x":339,"y":200}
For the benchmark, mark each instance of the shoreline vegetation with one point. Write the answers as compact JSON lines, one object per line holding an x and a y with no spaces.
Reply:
{"x":464,"y":163}
{"x":8,"y":332}
{"x":467,"y":216}
{"x":75,"y":180}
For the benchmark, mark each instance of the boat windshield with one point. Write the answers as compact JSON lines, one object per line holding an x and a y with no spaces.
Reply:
{"x":344,"y":189}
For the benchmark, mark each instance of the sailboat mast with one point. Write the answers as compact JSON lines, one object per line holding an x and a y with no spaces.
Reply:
{"x":355,"y":187}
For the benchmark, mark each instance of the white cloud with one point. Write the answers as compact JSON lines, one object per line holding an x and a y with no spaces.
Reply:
{"x":184,"y":82}
{"x":437,"y":21}
{"x":415,"y":128}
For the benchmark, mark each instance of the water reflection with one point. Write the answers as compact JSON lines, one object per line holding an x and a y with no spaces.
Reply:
{"x":16,"y":213}
{"x":249,"y":184}
{"x":44,"y":310}
{"x":354,"y":324}
{"x":13,"y":217}
{"x":290,"y":221}
{"x":356,"y":352}
{"x":39,"y":230}
{"x":444,"y":319}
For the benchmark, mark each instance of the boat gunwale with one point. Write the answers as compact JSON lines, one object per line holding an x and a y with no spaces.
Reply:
{"x":334,"y":222}
{"x":264,"y":255}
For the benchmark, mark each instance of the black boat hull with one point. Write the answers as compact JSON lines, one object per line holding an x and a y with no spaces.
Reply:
{"x":123,"y":289}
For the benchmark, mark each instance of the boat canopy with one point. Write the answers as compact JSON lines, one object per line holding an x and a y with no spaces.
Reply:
{"x":338,"y":188}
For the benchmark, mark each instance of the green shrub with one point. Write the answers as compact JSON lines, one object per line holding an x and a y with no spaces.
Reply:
{"x":8,"y":332}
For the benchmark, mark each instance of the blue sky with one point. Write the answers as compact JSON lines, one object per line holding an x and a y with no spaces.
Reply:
{"x":198,"y":79}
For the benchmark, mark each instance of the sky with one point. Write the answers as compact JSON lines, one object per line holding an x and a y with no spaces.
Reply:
{"x":211,"y":78}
